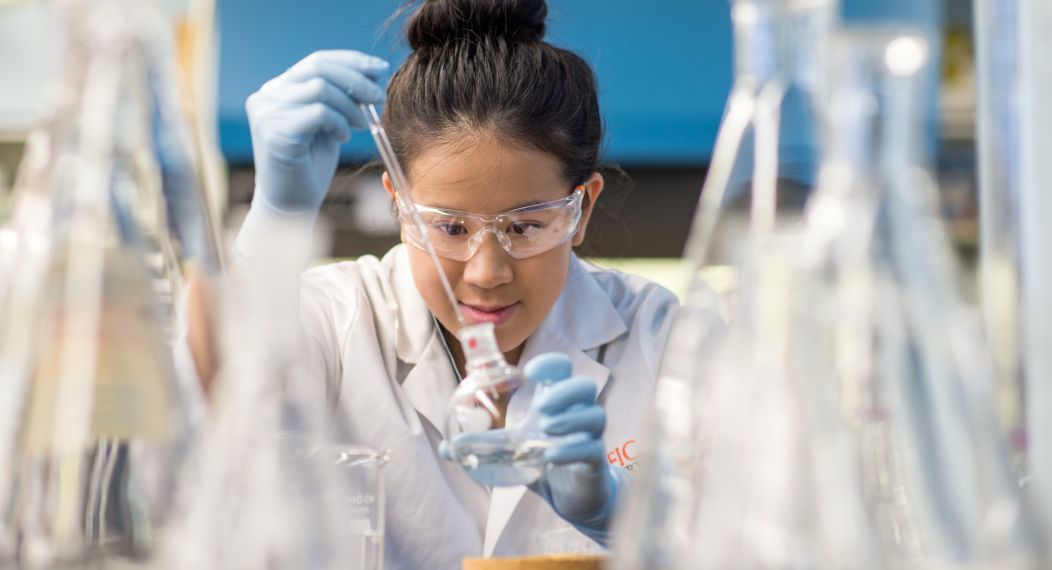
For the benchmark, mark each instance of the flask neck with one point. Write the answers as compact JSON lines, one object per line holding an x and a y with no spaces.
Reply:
{"x":781,"y":39}
{"x":876,"y":104}
{"x":485,"y":362}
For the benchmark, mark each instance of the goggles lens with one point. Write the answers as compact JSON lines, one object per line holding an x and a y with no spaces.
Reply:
{"x":522,"y":233}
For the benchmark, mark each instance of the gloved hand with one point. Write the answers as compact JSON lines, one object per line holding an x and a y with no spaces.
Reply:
{"x":579,"y":484}
{"x":299,"y":120}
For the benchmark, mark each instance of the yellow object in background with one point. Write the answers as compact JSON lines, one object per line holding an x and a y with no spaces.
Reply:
{"x":674,"y":275}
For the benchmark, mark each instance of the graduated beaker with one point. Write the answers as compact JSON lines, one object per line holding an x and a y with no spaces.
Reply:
{"x":355,"y":496}
{"x":360,"y":479}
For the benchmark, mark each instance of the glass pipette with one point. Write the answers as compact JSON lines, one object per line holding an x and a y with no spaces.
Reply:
{"x":404,"y":199}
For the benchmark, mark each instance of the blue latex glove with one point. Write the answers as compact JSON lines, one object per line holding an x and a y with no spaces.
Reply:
{"x":579,"y":484}
{"x":299,"y":120}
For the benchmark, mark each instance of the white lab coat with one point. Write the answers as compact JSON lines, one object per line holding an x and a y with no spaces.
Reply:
{"x":374,"y":343}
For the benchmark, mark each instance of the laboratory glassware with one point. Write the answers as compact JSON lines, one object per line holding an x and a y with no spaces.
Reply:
{"x":914,"y":374}
{"x":97,"y":419}
{"x":777,"y":486}
{"x":404,"y":199}
{"x":489,"y":434}
{"x":999,"y":143}
{"x":766,"y":153}
{"x":359,"y":491}
{"x":760,"y":175}
{"x":1013,"y":143}
{"x":1034,"y":88}
{"x":261,"y":491}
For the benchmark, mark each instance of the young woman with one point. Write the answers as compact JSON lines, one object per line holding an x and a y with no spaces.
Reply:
{"x":487,"y":119}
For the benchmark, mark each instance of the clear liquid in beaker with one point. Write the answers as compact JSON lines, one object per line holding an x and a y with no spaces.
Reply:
{"x":369,"y":544}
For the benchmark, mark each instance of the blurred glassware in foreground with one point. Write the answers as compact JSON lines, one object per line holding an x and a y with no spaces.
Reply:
{"x":267,"y":487}
{"x":914,"y":373}
{"x":106,"y":215}
{"x":999,"y":160}
{"x":1014,"y":144}
{"x":765,"y":159}
{"x":1014,"y":84}
{"x":759,"y":178}
{"x":846,"y":417}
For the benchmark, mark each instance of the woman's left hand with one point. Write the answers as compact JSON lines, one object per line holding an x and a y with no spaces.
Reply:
{"x":579,"y":484}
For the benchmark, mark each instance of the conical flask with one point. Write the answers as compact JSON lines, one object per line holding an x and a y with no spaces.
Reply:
{"x":761,"y":171}
{"x":915,"y":377}
{"x":765,"y":159}
{"x":778,"y":484}
{"x":96,"y":417}
{"x":258,"y":496}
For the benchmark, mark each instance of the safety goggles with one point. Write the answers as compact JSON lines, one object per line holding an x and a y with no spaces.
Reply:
{"x":522,"y":232}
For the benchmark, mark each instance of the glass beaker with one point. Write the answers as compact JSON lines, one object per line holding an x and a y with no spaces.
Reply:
{"x":359,"y":486}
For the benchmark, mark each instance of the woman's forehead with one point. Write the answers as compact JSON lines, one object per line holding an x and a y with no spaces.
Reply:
{"x":486,"y":177}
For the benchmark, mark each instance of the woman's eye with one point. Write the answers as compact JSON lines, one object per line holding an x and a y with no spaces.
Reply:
{"x":523,"y":228}
{"x":451,"y":229}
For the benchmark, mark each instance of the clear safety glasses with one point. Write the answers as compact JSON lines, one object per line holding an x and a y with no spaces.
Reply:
{"x":522,"y":232}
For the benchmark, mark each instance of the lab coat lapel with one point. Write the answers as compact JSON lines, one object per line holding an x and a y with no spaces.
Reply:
{"x":431,"y":383}
{"x":582,"y":320}
{"x":430,"y":380}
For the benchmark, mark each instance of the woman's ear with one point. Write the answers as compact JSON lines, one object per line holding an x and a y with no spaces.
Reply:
{"x":388,"y":185}
{"x":593,"y":187}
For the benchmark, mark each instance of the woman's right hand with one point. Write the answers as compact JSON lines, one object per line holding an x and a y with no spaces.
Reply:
{"x":299,"y":120}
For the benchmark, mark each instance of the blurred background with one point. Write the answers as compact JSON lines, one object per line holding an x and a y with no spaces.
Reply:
{"x":664,"y":70}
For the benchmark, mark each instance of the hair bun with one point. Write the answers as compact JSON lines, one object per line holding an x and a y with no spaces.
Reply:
{"x":442,"y":22}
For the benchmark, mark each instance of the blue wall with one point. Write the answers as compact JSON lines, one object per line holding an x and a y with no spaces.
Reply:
{"x":664,"y":66}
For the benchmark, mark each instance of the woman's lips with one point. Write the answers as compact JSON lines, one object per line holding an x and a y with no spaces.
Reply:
{"x":492,"y":314}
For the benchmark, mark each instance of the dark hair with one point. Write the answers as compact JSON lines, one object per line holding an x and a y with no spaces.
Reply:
{"x":484,"y":65}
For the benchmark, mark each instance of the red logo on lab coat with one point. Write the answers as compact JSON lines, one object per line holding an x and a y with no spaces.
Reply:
{"x":624,"y":455}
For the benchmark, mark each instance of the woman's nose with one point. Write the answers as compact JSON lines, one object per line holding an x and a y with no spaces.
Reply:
{"x":490,"y":266}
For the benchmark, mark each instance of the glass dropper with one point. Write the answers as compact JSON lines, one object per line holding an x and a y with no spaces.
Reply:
{"x":404,"y":199}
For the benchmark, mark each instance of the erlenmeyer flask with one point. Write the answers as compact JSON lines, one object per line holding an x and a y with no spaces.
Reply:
{"x":766,"y":153}
{"x":761,"y":170}
{"x":651,"y":529}
{"x":96,"y":422}
{"x":258,"y":497}
{"x":778,"y":487}
{"x":914,"y":375}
